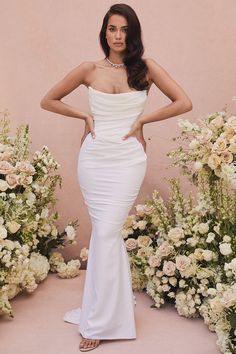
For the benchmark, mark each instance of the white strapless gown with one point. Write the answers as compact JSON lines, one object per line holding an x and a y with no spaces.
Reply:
{"x":110,"y":174}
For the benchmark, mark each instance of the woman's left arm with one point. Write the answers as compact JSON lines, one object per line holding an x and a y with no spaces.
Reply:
{"x":181,"y":103}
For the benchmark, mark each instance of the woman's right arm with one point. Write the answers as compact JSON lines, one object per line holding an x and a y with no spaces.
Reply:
{"x":52,"y":100}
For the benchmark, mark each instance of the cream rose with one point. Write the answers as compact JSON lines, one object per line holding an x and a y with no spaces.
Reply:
{"x":84,"y":253}
{"x":219,"y":145}
{"x":131,"y":244}
{"x":226,"y":157}
{"x":231,"y":122}
{"x":165,"y":249}
{"x":12,"y":180}
{"x":144,"y":241}
{"x":213,"y":161}
{"x":182,"y":262}
{"x":229,"y":298}
{"x":154,"y":261}
{"x":205,"y":135}
{"x":144,"y":252}
{"x":26,"y":167}
{"x":217,"y":122}
{"x":141,"y":224}
{"x":169,"y":268}
{"x":232,"y":148}
{"x":6,"y":168}
{"x":176,"y":234}
{"x":140,"y":209}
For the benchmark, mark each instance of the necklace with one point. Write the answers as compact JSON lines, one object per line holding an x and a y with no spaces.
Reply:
{"x":115,"y":65}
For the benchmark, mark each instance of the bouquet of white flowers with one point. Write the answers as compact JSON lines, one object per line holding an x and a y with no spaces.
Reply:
{"x":28,"y":234}
{"x":185,"y":249}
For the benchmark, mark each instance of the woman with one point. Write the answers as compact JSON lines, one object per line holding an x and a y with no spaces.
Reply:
{"x":112,"y":164}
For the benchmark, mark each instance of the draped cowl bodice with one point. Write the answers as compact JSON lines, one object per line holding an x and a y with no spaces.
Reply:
{"x":114,"y":114}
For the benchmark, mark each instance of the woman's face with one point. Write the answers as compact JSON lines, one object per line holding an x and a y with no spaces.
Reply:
{"x":116,"y":33}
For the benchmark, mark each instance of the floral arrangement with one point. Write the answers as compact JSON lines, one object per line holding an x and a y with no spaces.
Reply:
{"x":28,"y":233}
{"x":211,"y":148}
{"x":184,"y":250}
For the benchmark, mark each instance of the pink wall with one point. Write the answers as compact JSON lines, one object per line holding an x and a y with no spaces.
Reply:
{"x":42,"y":40}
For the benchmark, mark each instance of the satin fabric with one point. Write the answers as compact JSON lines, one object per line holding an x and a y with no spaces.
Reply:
{"x":110,"y":173}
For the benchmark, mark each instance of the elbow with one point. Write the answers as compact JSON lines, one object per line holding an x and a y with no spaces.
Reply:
{"x":42,"y":104}
{"x":187,"y":105}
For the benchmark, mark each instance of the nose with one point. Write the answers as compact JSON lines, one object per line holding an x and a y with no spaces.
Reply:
{"x":118,"y":34}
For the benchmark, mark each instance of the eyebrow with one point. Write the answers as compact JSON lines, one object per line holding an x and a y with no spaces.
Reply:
{"x":115,"y":26}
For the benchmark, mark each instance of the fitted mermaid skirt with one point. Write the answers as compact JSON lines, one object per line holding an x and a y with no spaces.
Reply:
{"x":110,"y":173}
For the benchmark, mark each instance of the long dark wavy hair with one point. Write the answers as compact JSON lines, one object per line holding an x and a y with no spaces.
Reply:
{"x":135,"y":65}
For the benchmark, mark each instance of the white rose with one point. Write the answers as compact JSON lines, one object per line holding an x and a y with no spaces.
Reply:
{"x":182,"y":283}
{"x":3,"y":232}
{"x":3,"y":185}
{"x":207,"y":255}
{"x":13,"y":226}
{"x":226,"y":238}
{"x":192,"y":241}
{"x":225,"y":249}
{"x":203,"y":228}
{"x":211,"y":291}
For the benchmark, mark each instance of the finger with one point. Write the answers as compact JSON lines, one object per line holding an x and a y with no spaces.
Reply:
{"x":126,"y":136}
{"x":93,"y":134}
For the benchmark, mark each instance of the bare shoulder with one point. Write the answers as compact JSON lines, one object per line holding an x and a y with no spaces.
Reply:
{"x":85,"y":67}
{"x":153,"y":66}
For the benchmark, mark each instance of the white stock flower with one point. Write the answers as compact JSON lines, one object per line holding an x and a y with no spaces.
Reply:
{"x":70,"y":231}
{"x":210,"y":237}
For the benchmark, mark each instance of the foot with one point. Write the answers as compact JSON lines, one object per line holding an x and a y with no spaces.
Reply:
{"x":87,"y":344}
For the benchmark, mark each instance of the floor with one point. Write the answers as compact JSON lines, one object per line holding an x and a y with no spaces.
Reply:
{"x":38,"y":326}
